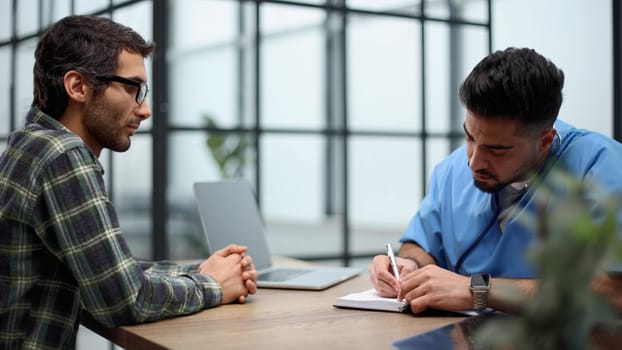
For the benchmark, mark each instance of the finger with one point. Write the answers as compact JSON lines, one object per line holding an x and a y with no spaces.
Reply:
{"x":247,"y":262}
{"x":373,"y":280}
{"x":251,"y":268}
{"x":242,"y":299}
{"x":385,"y":277}
{"x":231,"y":249}
{"x":373,"y":276}
{"x":250,"y":286}
{"x":372,"y":270}
{"x":234,"y":259}
{"x":382,"y":276}
{"x":418,"y":305}
{"x":414,"y":292}
{"x":250,"y":275}
{"x":380,"y":268}
{"x":386,"y":290}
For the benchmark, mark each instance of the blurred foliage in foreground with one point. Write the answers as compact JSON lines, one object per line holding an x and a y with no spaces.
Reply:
{"x":579,"y":238}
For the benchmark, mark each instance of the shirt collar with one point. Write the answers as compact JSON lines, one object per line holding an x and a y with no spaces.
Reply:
{"x":40,"y":118}
{"x":36,"y":116}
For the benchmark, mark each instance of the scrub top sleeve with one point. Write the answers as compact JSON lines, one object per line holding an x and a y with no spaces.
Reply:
{"x":424,"y":228}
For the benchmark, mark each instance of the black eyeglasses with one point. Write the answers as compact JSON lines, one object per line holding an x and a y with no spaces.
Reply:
{"x":143,"y":88}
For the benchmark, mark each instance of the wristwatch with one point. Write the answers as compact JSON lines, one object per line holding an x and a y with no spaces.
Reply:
{"x":480,"y":285}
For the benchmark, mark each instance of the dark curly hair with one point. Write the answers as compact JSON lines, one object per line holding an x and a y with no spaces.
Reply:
{"x":516,"y":83}
{"x":88,"y":44}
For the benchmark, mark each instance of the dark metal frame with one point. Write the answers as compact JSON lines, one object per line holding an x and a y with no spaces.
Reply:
{"x":336,"y":132}
{"x":159,"y":131}
{"x":617,"y":69}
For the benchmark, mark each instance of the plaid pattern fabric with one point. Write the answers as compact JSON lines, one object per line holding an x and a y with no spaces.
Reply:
{"x":61,"y":249}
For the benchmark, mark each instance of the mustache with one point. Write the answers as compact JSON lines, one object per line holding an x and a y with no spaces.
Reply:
{"x":485,"y":172}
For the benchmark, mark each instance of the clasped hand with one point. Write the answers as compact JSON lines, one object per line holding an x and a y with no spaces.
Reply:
{"x":427,"y":287}
{"x":234,"y":271}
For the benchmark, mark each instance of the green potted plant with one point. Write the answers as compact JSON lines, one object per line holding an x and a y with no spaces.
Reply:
{"x":578,"y":239}
{"x":229,"y":151}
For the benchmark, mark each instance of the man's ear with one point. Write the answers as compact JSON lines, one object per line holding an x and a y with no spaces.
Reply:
{"x":547,"y":137}
{"x":76,"y":86}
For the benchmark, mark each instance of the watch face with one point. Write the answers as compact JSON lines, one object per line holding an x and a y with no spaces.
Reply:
{"x":479,"y":280}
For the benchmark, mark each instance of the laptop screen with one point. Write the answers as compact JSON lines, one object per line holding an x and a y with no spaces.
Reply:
{"x":229,"y":214}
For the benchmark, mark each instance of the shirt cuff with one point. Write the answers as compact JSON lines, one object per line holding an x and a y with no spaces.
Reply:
{"x":212,"y":292}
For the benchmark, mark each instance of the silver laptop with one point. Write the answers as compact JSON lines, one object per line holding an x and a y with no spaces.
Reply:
{"x":229,"y":214}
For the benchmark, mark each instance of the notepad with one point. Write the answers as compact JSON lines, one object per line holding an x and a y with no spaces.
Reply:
{"x":370,"y":300}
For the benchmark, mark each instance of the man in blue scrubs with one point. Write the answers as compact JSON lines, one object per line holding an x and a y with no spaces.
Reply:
{"x":465,"y":238}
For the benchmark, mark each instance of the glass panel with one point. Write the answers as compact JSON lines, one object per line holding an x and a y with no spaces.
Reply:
{"x":292,"y":70}
{"x":55,"y":10}
{"x":400,"y":6}
{"x":579,"y":40}
{"x":185,"y":233}
{"x":27,"y":17}
{"x":248,"y":66}
{"x":204,"y":84}
{"x":314,"y":2}
{"x":5,"y":89}
{"x":6,"y":20}
{"x":384,"y":75}
{"x":448,"y":63}
{"x":24,"y":61}
{"x":279,"y":19}
{"x":292,"y":196}
{"x":475,"y":47}
{"x":187,"y":167}
{"x":198,"y":24}
{"x":384,"y":188}
{"x":83,"y":7}
{"x":191,"y":160}
{"x":472,"y":10}
{"x":438,"y":149}
{"x":438,"y":74}
{"x":139,"y":17}
{"x":132,"y":181}
{"x":203,"y":67}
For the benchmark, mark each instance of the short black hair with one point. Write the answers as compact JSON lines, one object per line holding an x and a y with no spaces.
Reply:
{"x":515,"y":83}
{"x":88,"y":44}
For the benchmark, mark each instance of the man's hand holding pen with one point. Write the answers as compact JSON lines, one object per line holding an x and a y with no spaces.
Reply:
{"x":383,"y":275}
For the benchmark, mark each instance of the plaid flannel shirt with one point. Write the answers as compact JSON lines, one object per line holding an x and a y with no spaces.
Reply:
{"x":61,"y":249}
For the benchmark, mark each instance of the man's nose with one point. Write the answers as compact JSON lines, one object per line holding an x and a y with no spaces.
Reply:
{"x":144,"y":110}
{"x":477,"y":159}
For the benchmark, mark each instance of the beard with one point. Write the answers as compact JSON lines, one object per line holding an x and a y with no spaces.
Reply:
{"x":103,"y":122}
{"x":497,"y":185}
{"x":487,"y":187}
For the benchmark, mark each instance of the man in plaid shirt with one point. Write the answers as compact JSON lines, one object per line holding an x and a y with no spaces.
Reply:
{"x":61,"y":249}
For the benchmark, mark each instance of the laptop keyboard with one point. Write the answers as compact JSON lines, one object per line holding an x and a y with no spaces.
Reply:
{"x":279,"y":275}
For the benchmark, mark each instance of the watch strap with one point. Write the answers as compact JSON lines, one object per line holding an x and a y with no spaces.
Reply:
{"x":479,"y":291}
{"x":480,"y":298}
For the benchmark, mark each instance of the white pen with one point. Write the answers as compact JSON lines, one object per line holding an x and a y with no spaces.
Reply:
{"x":396,"y":271}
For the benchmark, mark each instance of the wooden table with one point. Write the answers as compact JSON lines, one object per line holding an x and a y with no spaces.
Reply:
{"x":283,"y":319}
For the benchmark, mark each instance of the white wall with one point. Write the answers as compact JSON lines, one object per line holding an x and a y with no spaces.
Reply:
{"x":577,"y":36}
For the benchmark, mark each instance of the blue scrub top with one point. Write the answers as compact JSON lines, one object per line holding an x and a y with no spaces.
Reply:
{"x":454,"y":213}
